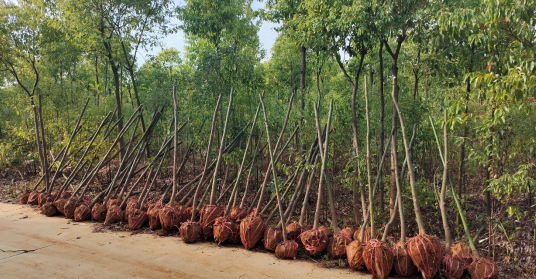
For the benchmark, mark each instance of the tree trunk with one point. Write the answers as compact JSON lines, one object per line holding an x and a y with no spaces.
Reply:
{"x":43,"y":143}
{"x":382,"y":132}
{"x":302,"y":89}
{"x":118,"y":110}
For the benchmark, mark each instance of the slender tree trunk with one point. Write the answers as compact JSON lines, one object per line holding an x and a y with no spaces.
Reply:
{"x":382,"y":130}
{"x":220,"y":152}
{"x":302,"y":89}
{"x":394,"y":122}
{"x":369,"y":172}
{"x":118,"y":110}
{"x":207,"y":158}
{"x":38,"y":142}
{"x":175,"y":155}
{"x":416,"y":207}
{"x":43,"y":142}
{"x":323,"y":172}
{"x":274,"y":173}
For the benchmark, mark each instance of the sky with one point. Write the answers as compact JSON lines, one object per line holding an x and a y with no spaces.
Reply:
{"x":267,"y":36}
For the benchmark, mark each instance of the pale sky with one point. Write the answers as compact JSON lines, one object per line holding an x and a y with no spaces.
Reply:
{"x":267,"y":36}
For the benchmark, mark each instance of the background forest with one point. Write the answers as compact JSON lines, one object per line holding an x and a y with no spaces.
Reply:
{"x":461,"y":72}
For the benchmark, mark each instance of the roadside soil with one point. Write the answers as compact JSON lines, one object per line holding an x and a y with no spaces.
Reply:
{"x":35,"y":246}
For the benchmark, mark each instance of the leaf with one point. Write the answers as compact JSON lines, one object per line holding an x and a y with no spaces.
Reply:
{"x":511,"y":211}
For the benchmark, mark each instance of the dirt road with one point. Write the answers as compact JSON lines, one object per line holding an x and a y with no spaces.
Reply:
{"x":34,"y":246}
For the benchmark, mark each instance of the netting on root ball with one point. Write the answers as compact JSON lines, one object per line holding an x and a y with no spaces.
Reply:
{"x":251,"y":231}
{"x":293,"y":231}
{"x":403,"y":263}
{"x":48,"y":209}
{"x":98,"y":212}
{"x":238,"y":213}
{"x":114,"y":215}
{"x":169,"y":217}
{"x":154,"y":216}
{"x":462,"y":253}
{"x":33,"y":198}
{"x":482,"y":269}
{"x":190,"y":231}
{"x":314,"y":241}
{"x":287,"y":250}
{"x":82,"y":213}
{"x":378,"y":258}
{"x":354,"y":253}
{"x":426,"y":252}
{"x":137,"y":218}
{"x":24,"y":196}
{"x":224,"y":228}
{"x":451,"y":268}
{"x":209,"y":213}
{"x":337,"y":245}
{"x":60,"y":205}
{"x":272,"y":237}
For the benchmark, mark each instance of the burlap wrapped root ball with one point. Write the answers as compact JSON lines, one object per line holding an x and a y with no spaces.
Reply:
{"x":314,"y":241}
{"x":462,"y":253}
{"x":98,"y":212}
{"x":33,"y":198}
{"x":348,"y":232}
{"x":224,"y":229}
{"x":272,"y":237}
{"x":378,"y":258}
{"x":354,"y":253}
{"x":112,"y":202}
{"x":132,"y":205}
{"x":190,"y":231}
{"x":293,"y":231}
{"x":426,"y":252}
{"x":82,"y":213}
{"x":44,"y":198}
{"x":209,"y":213}
{"x":69,"y":207}
{"x":287,"y":250}
{"x":60,"y":205}
{"x":153,"y":212}
{"x":48,"y":209}
{"x":169,"y":217}
{"x":238,"y":213}
{"x":337,"y":245}
{"x":403,"y":263}
{"x":66,"y":194}
{"x":114,"y":215}
{"x":451,"y":268}
{"x":24,"y":196}
{"x":367,"y":236}
{"x":482,"y":269}
{"x":251,"y":231}
{"x":327,"y":231}
{"x":137,"y":218}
